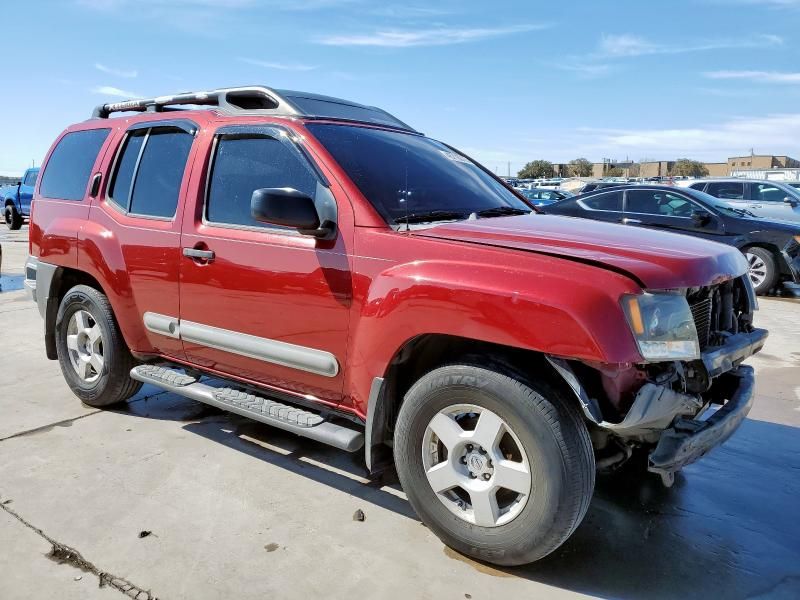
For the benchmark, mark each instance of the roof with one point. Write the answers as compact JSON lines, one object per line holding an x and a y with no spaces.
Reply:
{"x":260,"y":100}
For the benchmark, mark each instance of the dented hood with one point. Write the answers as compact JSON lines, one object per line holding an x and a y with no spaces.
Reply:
{"x":657,"y":260}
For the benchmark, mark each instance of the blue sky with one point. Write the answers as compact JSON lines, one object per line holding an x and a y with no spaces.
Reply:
{"x":503,"y":81}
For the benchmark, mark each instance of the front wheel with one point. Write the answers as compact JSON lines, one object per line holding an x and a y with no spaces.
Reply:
{"x":763,"y":272}
{"x":93,"y":356}
{"x":500,"y":469}
{"x":12,"y":217}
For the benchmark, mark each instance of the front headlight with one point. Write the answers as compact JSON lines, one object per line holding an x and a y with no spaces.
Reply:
{"x":662,"y":325}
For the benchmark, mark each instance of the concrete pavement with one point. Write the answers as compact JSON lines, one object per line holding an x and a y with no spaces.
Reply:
{"x":236,"y":509}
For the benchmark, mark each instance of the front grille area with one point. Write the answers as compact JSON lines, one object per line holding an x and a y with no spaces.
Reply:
{"x":701,"y":312}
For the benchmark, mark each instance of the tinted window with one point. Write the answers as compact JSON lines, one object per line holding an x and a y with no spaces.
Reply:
{"x":126,"y":163}
{"x":729,"y":190}
{"x":768,"y":193}
{"x":403,"y":174}
{"x":608,"y":201}
{"x":697,"y":186}
{"x":243,"y":165}
{"x":67,"y":171}
{"x":160,"y":172}
{"x":658,"y":202}
{"x":30,"y":178}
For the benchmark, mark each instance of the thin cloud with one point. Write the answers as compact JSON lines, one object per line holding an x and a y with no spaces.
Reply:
{"x":627,"y":45}
{"x":277,"y":65}
{"x":107,"y":90}
{"x":777,"y":133}
{"x":440,"y":36}
{"x":756,"y":76}
{"x":128,"y":74}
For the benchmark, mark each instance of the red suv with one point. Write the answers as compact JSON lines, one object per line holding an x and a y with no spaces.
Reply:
{"x":318,"y":265}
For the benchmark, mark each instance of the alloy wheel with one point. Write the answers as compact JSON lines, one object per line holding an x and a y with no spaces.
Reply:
{"x":85,"y":346}
{"x":758,"y":269}
{"x":476,"y":465}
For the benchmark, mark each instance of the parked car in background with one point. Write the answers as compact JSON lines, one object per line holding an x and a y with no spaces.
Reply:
{"x":16,"y":199}
{"x":336,"y":274}
{"x":772,"y":199}
{"x":544,"y":196}
{"x":601,"y":185}
{"x":794,"y":184}
{"x":772,"y":248}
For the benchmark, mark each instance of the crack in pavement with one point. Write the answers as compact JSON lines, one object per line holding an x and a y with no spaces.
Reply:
{"x":63,"y":554}
{"x":70,"y":421}
{"x":49,"y":426}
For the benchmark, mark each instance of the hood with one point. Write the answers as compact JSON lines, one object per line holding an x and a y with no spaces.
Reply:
{"x":656,"y":260}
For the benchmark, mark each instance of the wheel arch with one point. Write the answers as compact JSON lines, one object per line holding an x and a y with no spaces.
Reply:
{"x":424,"y":353}
{"x":61,"y":281}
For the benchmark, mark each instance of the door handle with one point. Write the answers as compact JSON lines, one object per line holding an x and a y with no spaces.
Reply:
{"x":627,"y":221}
{"x":207,"y":255}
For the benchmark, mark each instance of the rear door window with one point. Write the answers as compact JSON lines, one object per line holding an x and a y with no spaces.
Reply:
{"x":69,"y":167}
{"x":727,"y":190}
{"x":150,"y":170}
{"x":610,"y":201}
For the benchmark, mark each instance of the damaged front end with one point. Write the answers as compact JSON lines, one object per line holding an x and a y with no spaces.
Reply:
{"x":676,"y":409}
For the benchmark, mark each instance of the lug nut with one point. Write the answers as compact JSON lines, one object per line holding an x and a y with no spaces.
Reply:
{"x":463,"y":460}
{"x":472,"y":476}
{"x":486,"y":476}
{"x":469,"y":447}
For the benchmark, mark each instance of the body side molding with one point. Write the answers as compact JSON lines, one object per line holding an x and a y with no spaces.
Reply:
{"x":276,"y":352}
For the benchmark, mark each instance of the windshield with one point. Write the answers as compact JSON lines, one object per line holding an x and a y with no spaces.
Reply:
{"x":413,"y":179}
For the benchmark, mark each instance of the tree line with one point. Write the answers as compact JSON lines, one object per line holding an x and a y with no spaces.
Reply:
{"x":582,"y":167}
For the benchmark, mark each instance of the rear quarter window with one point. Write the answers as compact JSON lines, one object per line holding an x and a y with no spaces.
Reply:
{"x":69,"y":167}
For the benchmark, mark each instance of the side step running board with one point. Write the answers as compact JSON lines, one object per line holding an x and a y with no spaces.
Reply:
{"x":271,"y":412}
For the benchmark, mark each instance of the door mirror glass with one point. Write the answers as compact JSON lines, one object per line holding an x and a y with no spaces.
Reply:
{"x":285,"y":206}
{"x":790,"y":201}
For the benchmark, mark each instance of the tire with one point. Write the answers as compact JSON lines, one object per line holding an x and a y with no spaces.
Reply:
{"x":763,"y":270}
{"x":548,"y":432}
{"x":12,"y":218}
{"x":85,"y":327}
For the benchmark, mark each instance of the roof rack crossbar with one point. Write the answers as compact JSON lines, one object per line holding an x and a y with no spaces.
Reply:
{"x":259,"y":100}
{"x":219,"y":97}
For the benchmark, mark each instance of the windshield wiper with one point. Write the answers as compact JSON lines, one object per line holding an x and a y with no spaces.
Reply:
{"x":430,"y":216}
{"x":502,"y":211}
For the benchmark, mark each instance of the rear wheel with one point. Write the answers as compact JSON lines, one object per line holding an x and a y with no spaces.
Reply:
{"x":12,"y":218}
{"x":500,"y":469}
{"x":763,"y":272}
{"x":94,"y":359}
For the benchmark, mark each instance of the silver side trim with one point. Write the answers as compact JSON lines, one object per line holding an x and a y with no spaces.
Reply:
{"x":162,"y":324}
{"x":293,"y":356}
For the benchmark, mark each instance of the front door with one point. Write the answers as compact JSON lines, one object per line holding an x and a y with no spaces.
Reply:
{"x":773,"y":202}
{"x":260,"y":302}
{"x":670,"y":211}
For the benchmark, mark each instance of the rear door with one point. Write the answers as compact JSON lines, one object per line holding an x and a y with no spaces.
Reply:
{"x":263,"y":303}
{"x":148,"y":177}
{"x":670,"y":211}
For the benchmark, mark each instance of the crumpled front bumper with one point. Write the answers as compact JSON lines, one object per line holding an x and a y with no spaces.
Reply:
{"x":689,"y":439}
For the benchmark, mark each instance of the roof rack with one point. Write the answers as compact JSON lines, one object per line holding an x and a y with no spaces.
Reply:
{"x":260,"y":100}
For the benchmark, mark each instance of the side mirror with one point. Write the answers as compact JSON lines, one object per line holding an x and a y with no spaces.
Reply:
{"x":790,"y":201}
{"x":290,"y":208}
{"x":700,"y":218}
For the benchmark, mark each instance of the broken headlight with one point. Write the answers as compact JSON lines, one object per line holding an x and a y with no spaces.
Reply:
{"x":663,"y":326}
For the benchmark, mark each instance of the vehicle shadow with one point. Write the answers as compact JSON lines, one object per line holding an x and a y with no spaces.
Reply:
{"x":728,"y":528}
